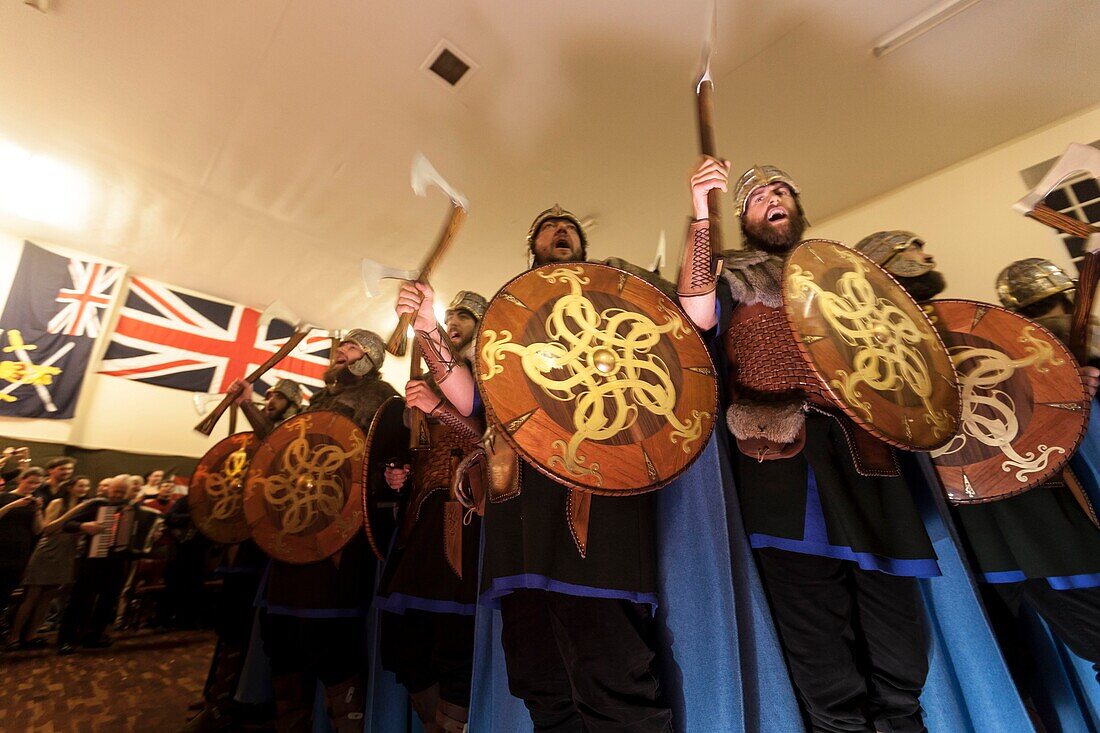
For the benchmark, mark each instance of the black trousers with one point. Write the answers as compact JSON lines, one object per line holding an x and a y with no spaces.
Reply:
{"x":332,"y":649}
{"x":582,"y":664}
{"x":1073,"y":615}
{"x":423,"y":649}
{"x":94,"y":601}
{"x":855,"y":641}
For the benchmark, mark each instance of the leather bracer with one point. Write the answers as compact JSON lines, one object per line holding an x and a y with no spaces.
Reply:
{"x":258,"y":419}
{"x":698,"y":274}
{"x":439,"y":357}
{"x":466,"y":427}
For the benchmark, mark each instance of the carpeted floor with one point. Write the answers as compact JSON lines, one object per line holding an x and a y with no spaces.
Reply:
{"x":143,"y":683}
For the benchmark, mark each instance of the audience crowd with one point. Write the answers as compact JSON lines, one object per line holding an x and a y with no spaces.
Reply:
{"x":79,"y":560}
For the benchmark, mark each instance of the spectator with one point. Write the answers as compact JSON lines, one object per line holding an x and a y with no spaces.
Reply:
{"x":133,"y":489}
{"x":153,"y":482}
{"x":103,"y":487}
{"x":98,"y":580}
{"x":50,"y":567}
{"x":58,"y":471}
{"x":20,"y":523}
{"x":12,"y":460}
{"x":164,"y":498}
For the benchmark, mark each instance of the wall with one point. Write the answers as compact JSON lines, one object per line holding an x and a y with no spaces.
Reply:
{"x":120,"y":414}
{"x":965,"y":213}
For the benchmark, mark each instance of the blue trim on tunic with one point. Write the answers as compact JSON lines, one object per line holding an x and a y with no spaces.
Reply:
{"x":500,"y":587}
{"x":314,"y":612}
{"x":815,"y":541}
{"x":399,"y":603}
{"x":1057,"y":582}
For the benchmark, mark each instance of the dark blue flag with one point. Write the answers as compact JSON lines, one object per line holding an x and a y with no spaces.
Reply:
{"x":54,"y":313}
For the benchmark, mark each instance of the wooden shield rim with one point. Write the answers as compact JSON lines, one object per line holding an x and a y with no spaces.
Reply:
{"x":244,"y":532}
{"x":849,"y":412}
{"x":704,"y":438}
{"x":1056,"y":464}
{"x":356,"y":485}
{"x":375,"y":425}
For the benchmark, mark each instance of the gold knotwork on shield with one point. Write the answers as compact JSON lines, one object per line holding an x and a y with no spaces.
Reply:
{"x":887,"y":341}
{"x":989,"y":413}
{"x":309,"y":485}
{"x":225,"y":489}
{"x":601,"y":362}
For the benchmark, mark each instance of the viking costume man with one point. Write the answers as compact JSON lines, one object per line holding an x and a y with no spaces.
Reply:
{"x":1040,"y":548}
{"x":834,"y":528}
{"x":243,"y":565}
{"x":315,"y":612}
{"x":574,"y":575}
{"x":428,"y":590}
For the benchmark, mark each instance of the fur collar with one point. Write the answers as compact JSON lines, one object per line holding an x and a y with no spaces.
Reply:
{"x":753,"y":276}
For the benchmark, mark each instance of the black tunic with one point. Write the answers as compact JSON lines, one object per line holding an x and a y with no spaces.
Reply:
{"x":528,"y":544}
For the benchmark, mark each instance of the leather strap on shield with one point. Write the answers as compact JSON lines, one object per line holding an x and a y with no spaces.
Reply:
{"x":216,"y":492}
{"x":1024,"y":405}
{"x":596,"y":377}
{"x":870,"y":345}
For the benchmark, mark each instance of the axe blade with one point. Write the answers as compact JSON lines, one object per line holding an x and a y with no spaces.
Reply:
{"x":708,"y":46}
{"x":375,"y":272}
{"x":424,"y":175}
{"x":659,"y":257}
{"x":279,"y":311}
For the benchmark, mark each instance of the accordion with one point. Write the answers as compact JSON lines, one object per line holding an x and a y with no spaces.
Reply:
{"x":128,"y":529}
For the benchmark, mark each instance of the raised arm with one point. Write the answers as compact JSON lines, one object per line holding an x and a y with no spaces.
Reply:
{"x":698,"y":278}
{"x":450,"y":372}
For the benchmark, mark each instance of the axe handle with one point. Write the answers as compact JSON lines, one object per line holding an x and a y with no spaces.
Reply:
{"x":1062,"y":222}
{"x":458,"y":215}
{"x":1081,"y":320}
{"x":416,"y":417}
{"x":210,"y":421}
{"x":705,"y":113}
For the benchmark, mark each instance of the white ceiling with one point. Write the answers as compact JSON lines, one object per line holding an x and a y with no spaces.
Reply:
{"x":257,"y":149}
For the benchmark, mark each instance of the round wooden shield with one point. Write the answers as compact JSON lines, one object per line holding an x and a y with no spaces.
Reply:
{"x":596,"y":377}
{"x":216,"y":493}
{"x":871,"y":346}
{"x":304,"y":496}
{"x":1024,"y":405}
{"x":387,"y":441}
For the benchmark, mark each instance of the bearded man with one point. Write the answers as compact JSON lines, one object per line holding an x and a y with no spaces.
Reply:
{"x":1041,"y":548}
{"x":315,"y":612}
{"x":578,"y":633}
{"x":428,"y":590}
{"x":832,"y":523}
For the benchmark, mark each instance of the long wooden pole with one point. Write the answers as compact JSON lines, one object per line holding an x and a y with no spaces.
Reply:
{"x":210,"y":421}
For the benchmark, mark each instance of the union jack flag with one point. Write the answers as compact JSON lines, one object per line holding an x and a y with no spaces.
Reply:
{"x":53,"y":315}
{"x":173,"y":338}
{"x":91,"y":292}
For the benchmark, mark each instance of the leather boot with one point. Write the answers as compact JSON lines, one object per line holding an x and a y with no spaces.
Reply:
{"x":450,"y":718}
{"x":344,"y":703}
{"x":424,"y":704}
{"x":293,"y":704}
{"x":218,"y":705}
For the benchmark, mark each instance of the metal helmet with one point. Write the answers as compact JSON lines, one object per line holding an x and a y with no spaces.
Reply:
{"x":1025,"y":282}
{"x":754,"y":178}
{"x":292,"y":391}
{"x":471,"y":302}
{"x":556,"y":212}
{"x":883,"y":249}
{"x":374,"y":351}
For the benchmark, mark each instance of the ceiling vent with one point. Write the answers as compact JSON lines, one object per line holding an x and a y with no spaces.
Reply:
{"x":449,"y":66}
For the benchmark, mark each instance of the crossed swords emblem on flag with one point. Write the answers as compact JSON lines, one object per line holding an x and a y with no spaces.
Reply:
{"x":25,"y":371}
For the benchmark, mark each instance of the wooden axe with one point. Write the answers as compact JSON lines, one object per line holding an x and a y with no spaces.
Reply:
{"x":275,"y":311}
